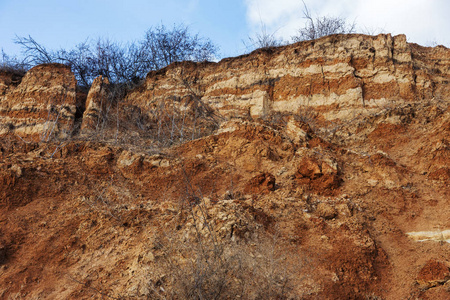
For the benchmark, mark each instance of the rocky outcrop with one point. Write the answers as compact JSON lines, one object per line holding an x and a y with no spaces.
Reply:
{"x":320,"y":175}
{"x":42,"y":105}
{"x":332,"y":79}
{"x":355,"y":73}
{"x":96,"y":104}
{"x":433,"y":273}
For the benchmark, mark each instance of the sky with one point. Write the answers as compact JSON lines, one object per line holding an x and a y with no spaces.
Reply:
{"x":228,"y":23}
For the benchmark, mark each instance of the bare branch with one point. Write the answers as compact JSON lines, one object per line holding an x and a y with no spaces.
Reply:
{"x":321,"y":26}
{"x":34,"y":52}
{"x":128,"y":63}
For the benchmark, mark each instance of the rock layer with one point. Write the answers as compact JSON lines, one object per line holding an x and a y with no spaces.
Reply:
{"x":42,"y":105}
{"x":339,"y":76}
{"x":334,"y":79}
{"x":96,"y":104}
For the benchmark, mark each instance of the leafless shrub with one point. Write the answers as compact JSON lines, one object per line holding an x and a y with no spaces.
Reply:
{"x":205,"y":265}
{"x":162,"y":46}
{"x":173,"y":119}
{"x":121,"y":63}
{"x":263,"y":39}
{"x":208,"y":268}
{"x":112,"y":201}
{"x":34,"y":53}
{"x":13,"y":65}
{"x":321,"y":26}
{"x":372,"y":30}
{"x":166,"y":122}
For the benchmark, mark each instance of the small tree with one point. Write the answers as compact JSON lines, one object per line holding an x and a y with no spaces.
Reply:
{"x":123,"y":63}
{"x":34,"y":53}
{"x":162,"y":46}
{"x":321,"y":26}
{"x":80,"y":60}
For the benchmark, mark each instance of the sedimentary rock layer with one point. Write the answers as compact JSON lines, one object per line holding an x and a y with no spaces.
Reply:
{"x":42,"y":105}
{"x":355,"y":73}
{"x":337,"y":77}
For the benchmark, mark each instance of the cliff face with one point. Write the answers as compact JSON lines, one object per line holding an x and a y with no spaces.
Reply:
{"x":42,"y":105}
{"x":337,"y":77}
{"x":318,"y":170}
{"x":340,"y":76}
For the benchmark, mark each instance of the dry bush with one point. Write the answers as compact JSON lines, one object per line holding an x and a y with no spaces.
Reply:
{"x":251,"y":270}
{"x":263,"y":40}
{"x":321,"y":26}
{"x":121,"y":63}
{"x":12,"y":64}
{"x":196,"y":261}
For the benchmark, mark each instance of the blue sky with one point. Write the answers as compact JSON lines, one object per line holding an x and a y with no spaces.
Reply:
{"x":62,"y":23}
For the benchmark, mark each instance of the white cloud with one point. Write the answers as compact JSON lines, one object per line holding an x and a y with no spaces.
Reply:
{"x":423,"y":21}
{"x":282,"y":16}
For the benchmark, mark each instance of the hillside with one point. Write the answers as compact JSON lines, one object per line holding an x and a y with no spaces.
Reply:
{"x":318,"y":170}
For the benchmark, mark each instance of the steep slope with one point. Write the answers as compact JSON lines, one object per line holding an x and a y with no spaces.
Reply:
{"x":309,"y":171}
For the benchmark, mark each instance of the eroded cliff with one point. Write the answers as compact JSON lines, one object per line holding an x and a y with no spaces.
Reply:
{"x":340,"y":75}
{"x":42,"y":105}
{"x":318,"y":170}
